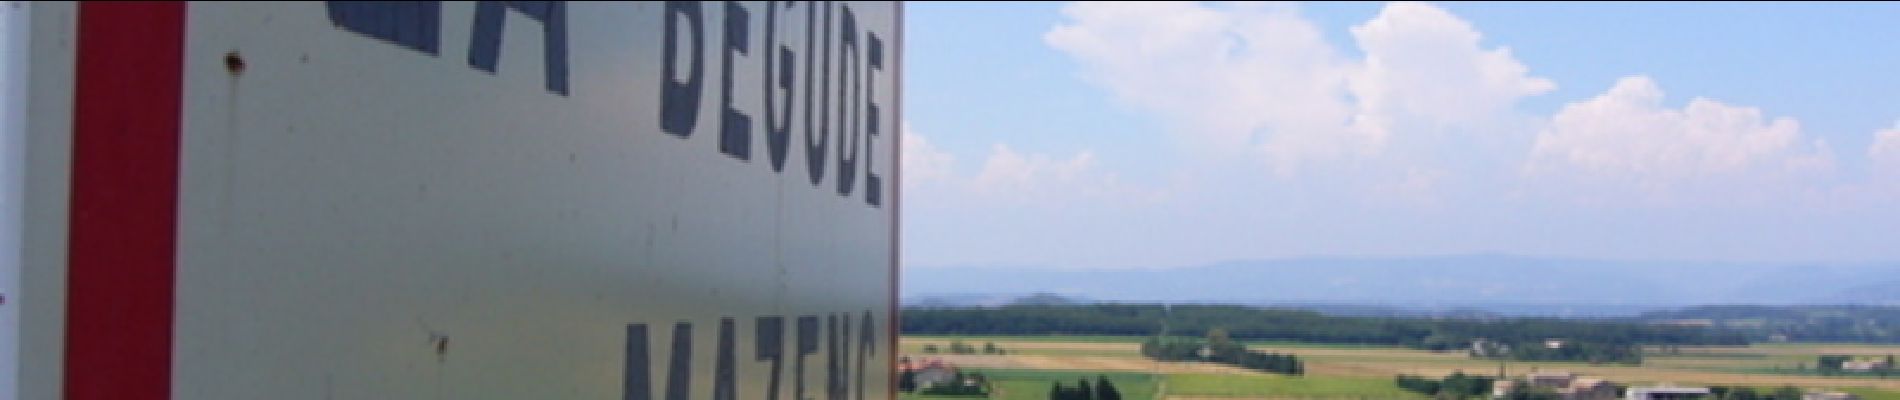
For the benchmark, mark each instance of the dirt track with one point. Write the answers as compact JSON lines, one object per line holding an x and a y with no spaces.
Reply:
{"x":1386,"y":362}
{"x":1082,"y":363}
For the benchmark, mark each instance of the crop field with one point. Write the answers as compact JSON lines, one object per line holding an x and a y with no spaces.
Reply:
{"x":1283,"y":387}
{"x":1358,"y":371}
{"x":1034,"y":384}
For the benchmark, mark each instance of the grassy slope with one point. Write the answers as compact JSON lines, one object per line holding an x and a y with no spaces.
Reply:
{"x":977,"y":340}
{"x":1275,"y":386}
{"x":1365,"y":371}
{"x":1024,"y":384}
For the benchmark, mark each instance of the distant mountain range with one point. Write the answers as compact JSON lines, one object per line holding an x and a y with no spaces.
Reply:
{"x":1505,"y":285}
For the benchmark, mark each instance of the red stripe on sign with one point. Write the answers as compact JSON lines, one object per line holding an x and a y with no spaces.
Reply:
{"x":126,"y":106}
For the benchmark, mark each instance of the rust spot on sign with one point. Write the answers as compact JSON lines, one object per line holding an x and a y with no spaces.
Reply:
{"x":234,"y":63}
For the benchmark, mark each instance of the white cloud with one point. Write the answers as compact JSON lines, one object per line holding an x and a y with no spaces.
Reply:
{"x":1011,"y":173}
{"x":1416,"y":186}
{"x":1626,"y":136}
{"x":1007,"y":176}
{"x":1885,"y":152}
{"x":1423,"y":61}
{"x":1261,"y":79}
{"x":1014,"y":177}
{"x":923,"y":163}
{"x":1249,"y":78}
{"x":1411,"y":142}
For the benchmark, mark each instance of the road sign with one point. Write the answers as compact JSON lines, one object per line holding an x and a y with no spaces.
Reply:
{"x":507,"y":200}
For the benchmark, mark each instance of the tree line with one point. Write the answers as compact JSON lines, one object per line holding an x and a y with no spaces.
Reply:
{"x":1218,"y":347}
{"x":1835,"y":364}
{"x":958,"y":347}
{"x":1104,"y":390}
{"x":1457,"y":385}
{"x":971,"y":385}
{"x":1748,"y":393}
{"x":1592,"y":352}
{"x":1594,"y":340}
{"x":1803,"y":323}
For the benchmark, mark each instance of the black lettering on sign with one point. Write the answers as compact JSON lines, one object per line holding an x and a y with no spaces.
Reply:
{"x":838,"y":357}
{"x":815,"y":151}
{"x":831,"y":357}
{"x":807,"y":345}
{"x":769,"y":347}
{"x":778,"y":134}
{"x":679,"y":99}
{"x":413,"y":24}
{"x":849,"y":100}
{"x":769,"y":344}
{"x":873,"y":185}
{"x":838,"y":95}
{"x":637,"y":379}
{"x":723,"y":379}
{"x":417,"y":25}
{"x":837,"y":99}
{"x":484,"y":46}
{"x":679,"y":374}
{"x":866,"y":346}
{"x":735,"y":128}
{"x":635,"y":384}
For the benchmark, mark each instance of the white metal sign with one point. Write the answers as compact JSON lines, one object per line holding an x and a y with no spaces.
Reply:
{"x":13,"y":26}
{"x":467,"y":200}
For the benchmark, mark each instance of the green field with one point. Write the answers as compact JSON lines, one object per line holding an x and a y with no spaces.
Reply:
{"x":1871,"y":394}
{"x":1120,"y":345}
{"x":1277,"y":386}
{"x":1012,"y":344}
{"x":1026,"y":384}
{"x":1020,"y":384}
{"x":1066,"y":352}
{"x":1361,"y":371}
{"x":1304,"y":345}
{"x":979,"y":339}
{"x":1805,"y":372}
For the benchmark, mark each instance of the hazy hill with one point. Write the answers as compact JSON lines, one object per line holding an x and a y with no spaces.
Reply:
{"x":1516,"y":285}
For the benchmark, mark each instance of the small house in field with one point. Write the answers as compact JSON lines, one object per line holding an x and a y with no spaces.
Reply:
{"x":1865,"y":365}
{"x":1830,"y":396}
{"x":933,"y":372}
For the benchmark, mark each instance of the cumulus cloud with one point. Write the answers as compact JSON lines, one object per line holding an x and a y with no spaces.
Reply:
{"x":923,"y":163}
{"x":1009,"y":171}
{"x":1409,"y":142}
{"x":1018,"y":178}
{"x":1013,"y":177}
{"x":1429,"y":106}
{"x":1885,"y":152}
{"x":1247,"y":77}
{"x":1262,"y":79}
{"x":1628,"y":136}
{"x":1423,"y":61}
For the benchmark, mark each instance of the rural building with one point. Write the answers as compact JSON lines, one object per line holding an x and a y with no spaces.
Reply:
{"x":1830,"y":396}
{"x":1567,"y":385}
{"x":1589,"y":389}
{"x":1486,"y":348}
{"x":1553,"y":380}
{"x":930,"y":372}
{"x":1864,"y":365}
{"x":1666,"y":393}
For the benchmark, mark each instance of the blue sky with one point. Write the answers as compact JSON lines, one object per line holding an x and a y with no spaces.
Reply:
{"x":1154,"y":135}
